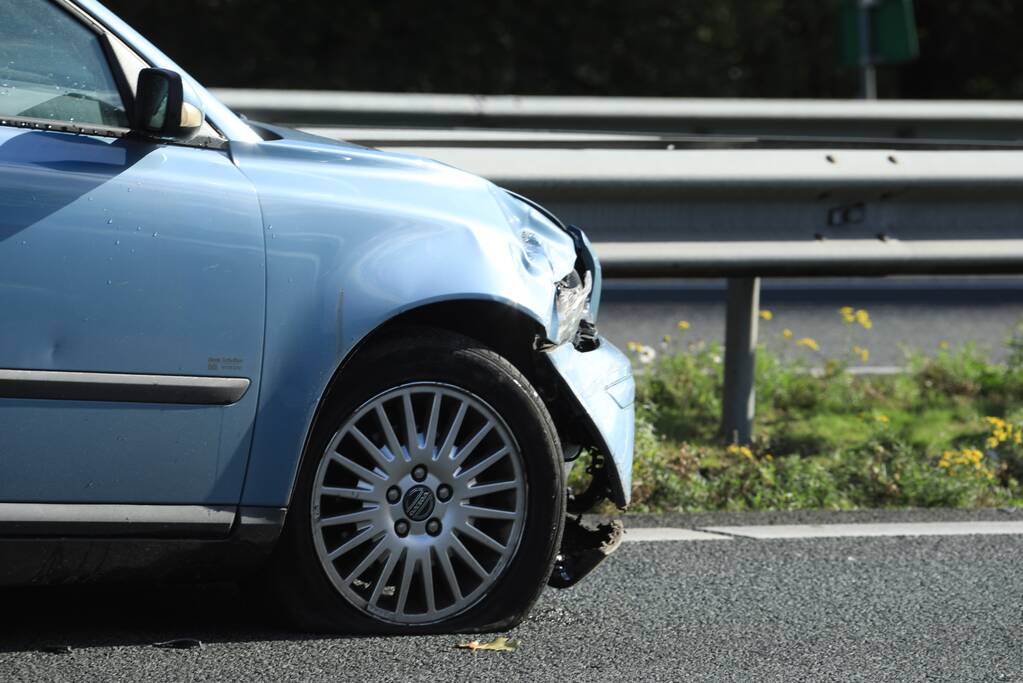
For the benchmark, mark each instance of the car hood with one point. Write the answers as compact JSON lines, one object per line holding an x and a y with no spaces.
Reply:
{"x":543,"y":241}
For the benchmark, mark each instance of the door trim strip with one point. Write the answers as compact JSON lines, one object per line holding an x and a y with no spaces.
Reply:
{"x":68,"y":520}
{"x":120,"y":387}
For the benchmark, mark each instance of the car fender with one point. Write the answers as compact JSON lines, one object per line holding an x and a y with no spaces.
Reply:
{"x":354,"y":239}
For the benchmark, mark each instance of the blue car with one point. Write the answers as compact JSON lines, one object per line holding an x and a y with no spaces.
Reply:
{"x":355,"y":379}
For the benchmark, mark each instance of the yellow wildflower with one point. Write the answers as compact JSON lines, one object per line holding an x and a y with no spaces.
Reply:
{"x":683,"y":325}
{"x":1003,"y":431}
{"x":943,"y":345}
{"x":666,"y":338}
{"x":883,"y":419}
{"x":969,"y":458}
{"x":847,"y":314}
{"x":809,"y":343}
{"x":863,"y":318}
{"x":633,"y":346}
{"x":766,"y":315}
{"x":787,"y":333}
{"x":744,"y":451}
{"x":862,"y":352}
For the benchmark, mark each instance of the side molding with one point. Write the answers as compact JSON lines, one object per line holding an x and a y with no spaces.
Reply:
{"x":119,"y":387}
{"x":38,"y":520}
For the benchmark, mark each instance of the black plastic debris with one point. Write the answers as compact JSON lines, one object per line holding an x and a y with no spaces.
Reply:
{"x":179,"y":644}
{"x":582,"y":549}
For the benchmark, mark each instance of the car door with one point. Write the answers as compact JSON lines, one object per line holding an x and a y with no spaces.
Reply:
{"x":131,"y":286}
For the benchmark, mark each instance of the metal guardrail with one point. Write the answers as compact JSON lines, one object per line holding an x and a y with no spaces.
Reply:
{"x":988,"y":120}
{"x":659,"y":205}
{"x":804,"y":201}
{"x":853,"y":258}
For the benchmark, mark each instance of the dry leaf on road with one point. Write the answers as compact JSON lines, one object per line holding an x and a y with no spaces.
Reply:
{"x":500,"y":644}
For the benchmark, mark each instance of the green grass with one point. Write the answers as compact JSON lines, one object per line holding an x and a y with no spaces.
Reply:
{"x":826,"y":438}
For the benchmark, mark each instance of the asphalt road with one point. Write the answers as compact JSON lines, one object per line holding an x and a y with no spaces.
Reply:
{"x":917,"y":313}
{"x":901,"y":609}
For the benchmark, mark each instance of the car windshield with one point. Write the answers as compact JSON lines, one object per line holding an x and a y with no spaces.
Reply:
{"x":54,"y":67}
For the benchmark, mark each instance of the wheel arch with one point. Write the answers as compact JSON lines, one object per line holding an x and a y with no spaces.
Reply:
{"x":504,"y":328}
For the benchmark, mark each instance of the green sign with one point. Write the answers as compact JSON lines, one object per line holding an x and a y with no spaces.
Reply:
{"x":892,"y":32}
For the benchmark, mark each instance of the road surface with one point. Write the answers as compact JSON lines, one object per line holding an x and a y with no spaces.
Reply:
{"x":917,"y":313}
{"x":728,"y":607}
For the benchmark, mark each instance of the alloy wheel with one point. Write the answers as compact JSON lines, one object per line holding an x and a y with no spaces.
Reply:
{"x":418,"y":503}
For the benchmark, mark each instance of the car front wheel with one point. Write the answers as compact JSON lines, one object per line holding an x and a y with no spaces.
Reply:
{"x":431,"y":497}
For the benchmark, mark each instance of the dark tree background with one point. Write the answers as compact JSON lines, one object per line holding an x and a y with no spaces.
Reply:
{"x":695,"y":48}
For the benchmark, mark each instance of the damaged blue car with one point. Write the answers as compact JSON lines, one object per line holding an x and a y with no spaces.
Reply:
{"x":356,"y":379}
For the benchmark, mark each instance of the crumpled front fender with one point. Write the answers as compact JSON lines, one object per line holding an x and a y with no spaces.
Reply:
{"x":601,"y":383}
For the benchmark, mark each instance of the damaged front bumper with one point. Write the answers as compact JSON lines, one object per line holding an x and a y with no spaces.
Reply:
{"x":582,"y":549}
{"x":601,"y":385}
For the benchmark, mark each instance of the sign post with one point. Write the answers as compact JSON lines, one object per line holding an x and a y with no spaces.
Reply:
{"x":868,"y":74}
{"x":876,"y":32}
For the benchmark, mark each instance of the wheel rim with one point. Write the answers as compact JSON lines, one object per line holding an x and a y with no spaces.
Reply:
{"x":418,"y":503}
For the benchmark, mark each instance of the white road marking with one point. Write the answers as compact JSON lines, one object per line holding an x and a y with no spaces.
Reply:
{"x":640,"y":534}
{"x":772,"y":531}
{"x":782,"y":531}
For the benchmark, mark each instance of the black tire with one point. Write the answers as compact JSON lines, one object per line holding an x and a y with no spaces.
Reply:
{"x":299,"y":583}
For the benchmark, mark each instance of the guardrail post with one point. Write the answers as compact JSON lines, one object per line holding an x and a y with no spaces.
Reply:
{"x":740,"y":358}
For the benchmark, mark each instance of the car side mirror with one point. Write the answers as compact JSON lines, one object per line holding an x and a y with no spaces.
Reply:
{"x":160,"y":107}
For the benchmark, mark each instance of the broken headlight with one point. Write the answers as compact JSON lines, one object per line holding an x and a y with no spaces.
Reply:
{"x":572,"y":304}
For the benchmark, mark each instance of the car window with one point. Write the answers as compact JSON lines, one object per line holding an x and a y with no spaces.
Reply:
{"x":54,"y":67}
